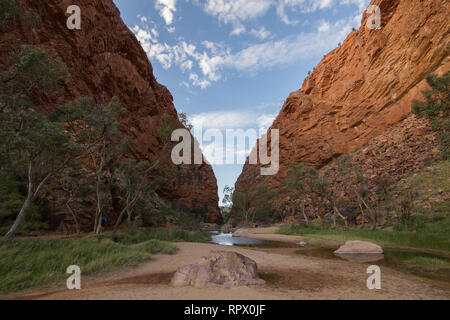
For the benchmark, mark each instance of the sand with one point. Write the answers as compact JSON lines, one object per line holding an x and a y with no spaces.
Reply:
{"x":291,"y":277}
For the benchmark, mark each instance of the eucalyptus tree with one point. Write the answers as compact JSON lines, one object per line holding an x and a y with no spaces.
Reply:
{"x":94,"y":129}
{"x":31,"y":144}
{"x":134,"y":183}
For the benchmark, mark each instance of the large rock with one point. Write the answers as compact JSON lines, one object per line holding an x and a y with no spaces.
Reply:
{"x":359,"y":247}
{"x":228,"y":228}
{"x":106,"y":60}
{"x":208,"y":226}
{"x":241,"y":232}
{"x":219,"y":269}
{"x":362,"y":90}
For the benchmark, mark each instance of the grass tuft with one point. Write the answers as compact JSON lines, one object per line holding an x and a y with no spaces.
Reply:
{"x":35,"y":262}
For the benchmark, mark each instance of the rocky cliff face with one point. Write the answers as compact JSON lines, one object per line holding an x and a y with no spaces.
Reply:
{"x":363,"y":90}
{"x":106,"y":60}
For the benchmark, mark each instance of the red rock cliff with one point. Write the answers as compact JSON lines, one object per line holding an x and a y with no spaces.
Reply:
{"x":106,"y":60}
{"x":364,"y":89}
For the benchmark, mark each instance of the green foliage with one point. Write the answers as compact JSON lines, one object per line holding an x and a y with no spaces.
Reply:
{"x":95,"y":132}
{"x":301,"y":179}
{"x":45,"y":261}
{"x":32,"y":18}
{"x":133,"y":235}
{"x":412,"y":196}
{"x":30,"y":142}
{"x":11,"y":200}
{"x":431,"y":235}
{"x":29,"y":135}
{"x":183,"y":118}
{"x":251,"y":205}
{"x":437,"y":109}
{"x":8,"y":9}
{"x":135,"y":189}
{"x":167,"y":127}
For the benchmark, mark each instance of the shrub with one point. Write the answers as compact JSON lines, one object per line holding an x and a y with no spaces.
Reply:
{"x":437,"y":109}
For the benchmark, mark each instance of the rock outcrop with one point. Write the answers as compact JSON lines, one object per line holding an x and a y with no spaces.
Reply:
{"x":356,"y":246}
{"x":363,"y":90}
{"x":106,"y":60}
{"x":220,"y":269}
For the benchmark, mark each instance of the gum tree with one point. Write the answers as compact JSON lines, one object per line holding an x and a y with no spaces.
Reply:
{"x":133,"y":179}
{"x":30,"y":142}
{"x":94,"y":129}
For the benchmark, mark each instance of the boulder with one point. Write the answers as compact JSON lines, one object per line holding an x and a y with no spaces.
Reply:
{"x":241,"y":232}
{"x":208,"y":226}
{"x":228,"y":228}
{"x":220,"y":269}
{"x":356,"y":246}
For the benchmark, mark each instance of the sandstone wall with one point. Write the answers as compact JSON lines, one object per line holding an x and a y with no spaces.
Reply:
{"x":106,"y":60}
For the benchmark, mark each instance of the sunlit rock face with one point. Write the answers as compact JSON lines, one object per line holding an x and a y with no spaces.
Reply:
{"x":363,"y":90}
{"x":106,"y":60}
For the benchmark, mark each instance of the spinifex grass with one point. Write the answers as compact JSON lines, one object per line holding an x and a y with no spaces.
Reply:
{"x":34,"y":262}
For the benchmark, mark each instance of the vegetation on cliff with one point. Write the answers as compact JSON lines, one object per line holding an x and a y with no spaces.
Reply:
{"x":437,"y":109}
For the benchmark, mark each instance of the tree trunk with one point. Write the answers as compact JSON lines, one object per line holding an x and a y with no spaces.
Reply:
{"x":21,"y":216}
{"x":119,"y":220}
{"x":77,"y":225}
{"x":23,"y":211}
{"x":304,"y":213}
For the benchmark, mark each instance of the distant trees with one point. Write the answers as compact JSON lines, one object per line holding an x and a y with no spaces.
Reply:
{"x":436,"y":108}
{"x":8,"y":9}
{"x":306,"y":184}
{"x":185,"y":120}
{"x":299,"y":180}
{"x":253,"y":205}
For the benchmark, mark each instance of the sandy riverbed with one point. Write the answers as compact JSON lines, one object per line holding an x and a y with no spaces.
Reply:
{"x":289,"y":277}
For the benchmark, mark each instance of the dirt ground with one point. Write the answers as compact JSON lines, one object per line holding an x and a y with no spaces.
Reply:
{"x":287,"y":276}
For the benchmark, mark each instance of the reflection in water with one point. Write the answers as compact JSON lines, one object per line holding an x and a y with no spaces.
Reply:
{"x":227,"y":239}
{"x":403,"y":260}
{"x":361,"y":257}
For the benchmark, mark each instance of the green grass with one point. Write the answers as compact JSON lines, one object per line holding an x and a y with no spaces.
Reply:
{"x":429,"y":183}
{"x":431,"y":236}
{"x":36,"y":262}
{"x":132,"y":236}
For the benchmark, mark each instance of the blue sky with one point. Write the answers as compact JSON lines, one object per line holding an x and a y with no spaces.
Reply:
{"x":230,"y":64}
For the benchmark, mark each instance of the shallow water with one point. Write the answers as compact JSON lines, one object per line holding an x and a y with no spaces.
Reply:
{"x":403,"y":260}
{"x":227,"y":239}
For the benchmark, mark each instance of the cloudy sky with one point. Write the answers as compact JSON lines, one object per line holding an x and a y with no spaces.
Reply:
{"x":230,"y":64}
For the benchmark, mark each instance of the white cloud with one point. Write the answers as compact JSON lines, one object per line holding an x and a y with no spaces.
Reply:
{"x":324,"y":26}
{"x":261,"y":33}
{"x":284,"y":7}
{"x":265,"y":121}
{"x":244,"y":124}
{"x":236,"y":12}
{"x":196,"y":81}
{"x":235,"y":119}
{"x":207,"y":62}
{"x":166,"y":10}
